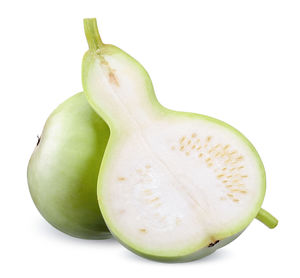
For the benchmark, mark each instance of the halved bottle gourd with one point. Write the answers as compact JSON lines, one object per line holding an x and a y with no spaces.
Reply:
{"x":172,"y":186}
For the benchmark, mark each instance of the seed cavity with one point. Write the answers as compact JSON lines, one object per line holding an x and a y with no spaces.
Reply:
{"x":112,"y":78}
{"x":143,"y":230}
{"x":225,"y":162}
{"x":217,"y":154}
{"x":121,"y":178}
{"x":154,"y":200}
{"x":148,"y":192}
{"x":178,"y":220}
{"x":102,"y":60}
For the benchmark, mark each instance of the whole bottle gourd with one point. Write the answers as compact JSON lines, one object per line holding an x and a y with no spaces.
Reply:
{"x":63,"y":169}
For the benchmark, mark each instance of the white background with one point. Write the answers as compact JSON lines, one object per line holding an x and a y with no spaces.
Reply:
{"x":238,"y":61}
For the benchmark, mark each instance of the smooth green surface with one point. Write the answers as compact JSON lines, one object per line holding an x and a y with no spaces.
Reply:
{"x":63,"y":169}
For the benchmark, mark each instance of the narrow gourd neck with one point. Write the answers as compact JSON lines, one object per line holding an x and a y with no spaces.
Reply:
{"x":92,"y":33}
{"x":117,"y":87}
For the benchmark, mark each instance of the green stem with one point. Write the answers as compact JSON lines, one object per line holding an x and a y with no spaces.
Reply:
{"x":267,"y":218}
{"x":92,"y":33}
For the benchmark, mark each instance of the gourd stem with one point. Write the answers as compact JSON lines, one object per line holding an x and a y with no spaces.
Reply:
{"x":267,"y":218}
{"x":92,"y":33}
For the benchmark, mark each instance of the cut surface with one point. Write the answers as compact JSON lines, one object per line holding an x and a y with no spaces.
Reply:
{"x":179,"y":185}
{"x":172,"y":185}
{"x":171,"y":182}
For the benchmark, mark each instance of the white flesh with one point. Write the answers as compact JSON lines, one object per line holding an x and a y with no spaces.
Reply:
{"x":180,"y":184}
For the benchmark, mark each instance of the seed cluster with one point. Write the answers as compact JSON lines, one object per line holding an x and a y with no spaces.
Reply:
{"x":225,"y":161}
{"x":112,"y":78}
{"x":148,"y":194}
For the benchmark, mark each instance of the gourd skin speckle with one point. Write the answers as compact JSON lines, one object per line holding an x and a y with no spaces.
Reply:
{"x":63,"y":169}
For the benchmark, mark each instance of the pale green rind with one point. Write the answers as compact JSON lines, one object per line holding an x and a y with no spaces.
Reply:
{"x":187,"y":258}
{"x":63,"y":169}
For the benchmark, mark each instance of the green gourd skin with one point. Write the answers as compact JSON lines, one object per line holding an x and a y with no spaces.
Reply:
{"x":173,"y":186}
{"x":63,"y":169}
